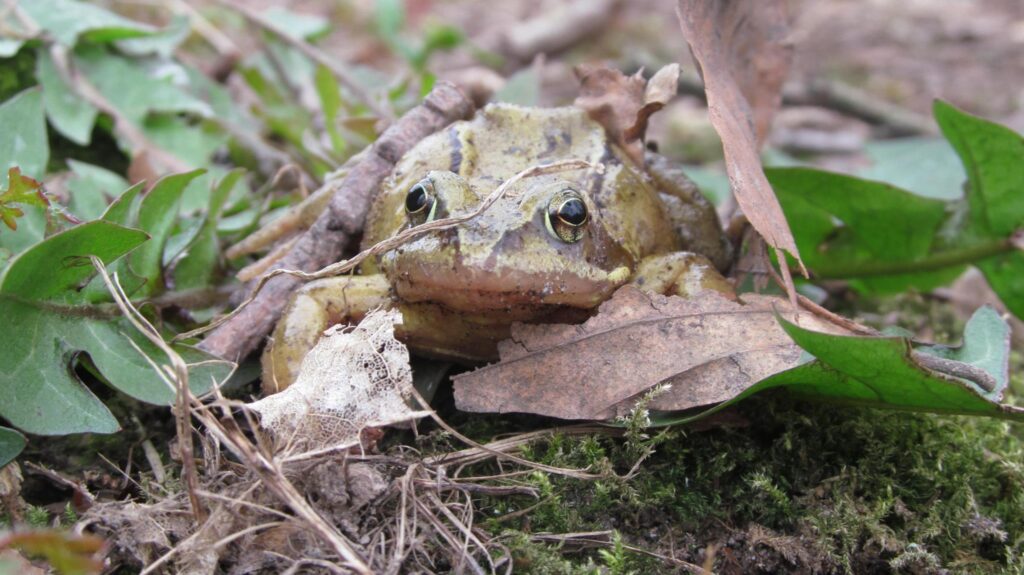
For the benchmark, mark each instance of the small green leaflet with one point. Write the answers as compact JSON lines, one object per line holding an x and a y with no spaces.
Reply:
{"x":20,"y":190}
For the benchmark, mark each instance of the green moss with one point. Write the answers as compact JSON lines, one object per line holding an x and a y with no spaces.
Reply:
{"x":850,"y":490}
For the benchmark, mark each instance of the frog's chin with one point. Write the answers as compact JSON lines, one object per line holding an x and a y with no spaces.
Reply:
{"x":475,"y":290}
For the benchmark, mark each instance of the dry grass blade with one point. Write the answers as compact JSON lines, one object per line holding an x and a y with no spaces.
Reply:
{"x":176,"y":376}
{"x":232,"y":437}
{"x":605,"y":539}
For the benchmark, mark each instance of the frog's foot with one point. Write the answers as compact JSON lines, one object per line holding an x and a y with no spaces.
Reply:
{"x":680,"y":273}
{"x":312,"y":309}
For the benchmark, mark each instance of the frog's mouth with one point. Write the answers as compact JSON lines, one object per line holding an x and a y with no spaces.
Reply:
{"x":472,"y":289}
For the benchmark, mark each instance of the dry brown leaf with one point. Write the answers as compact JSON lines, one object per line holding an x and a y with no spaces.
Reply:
{"x":623,"y":104}
{"x":744,"y":56}
{"x":708,"y":347}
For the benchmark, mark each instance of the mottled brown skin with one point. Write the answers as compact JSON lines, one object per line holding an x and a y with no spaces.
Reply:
{"x":460,"y":289}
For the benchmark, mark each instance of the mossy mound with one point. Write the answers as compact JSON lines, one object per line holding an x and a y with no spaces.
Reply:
{"x":787,"y":486}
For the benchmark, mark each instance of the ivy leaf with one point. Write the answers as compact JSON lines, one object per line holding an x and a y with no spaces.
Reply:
{"x":889,"y":372}
{"x":20,"y":190}
{"x":69,"y":114}
{"x":49,"y":323}
{"x":162,"y":43}
{"x":68,"y":20}
{"x":132,"y":89}
{"x":895,"y":373}
{"x":197,"y":267}
{"x":157,"y":215}
{"x":11,"y":444}
{"x":296,"y":25}
{"x":992,"y":156}
{"x":23,"y":141}
{"x":91,"y":189}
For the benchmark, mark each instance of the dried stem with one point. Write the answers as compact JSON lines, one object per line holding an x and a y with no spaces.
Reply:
{"x":178,"y":373}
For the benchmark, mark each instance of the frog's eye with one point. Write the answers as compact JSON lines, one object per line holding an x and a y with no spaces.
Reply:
{"x":566,"y":216}
{"x":420,"y":202}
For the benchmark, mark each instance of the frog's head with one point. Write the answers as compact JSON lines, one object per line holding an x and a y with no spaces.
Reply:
{"x":542,"y":243}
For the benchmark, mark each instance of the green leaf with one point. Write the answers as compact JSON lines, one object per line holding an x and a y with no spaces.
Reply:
{"x":11,"y":444}
{"x":197,"y":267}
{"x":927,"y":167}
{"x":49,"y":322}
{"x":53,"y":269}
{"x":881,"y":371}
{"x":124,"y":209}
{"x":300,"y":26}
{"x":330,"y":103}
{"x":69,"y":113}
{"x":522,"y":88}
{"x":389,"y":17}
{"x":39,"y":392}
{"x":162,"y":43}
{"x":1005,"y":273}
{"x":31,"y":229}
{"x":23,"y":141}
{"x":132,"y":89}
{"x":842,"y":223}
{"x":886,"y":372}
{"x":992,"y":155}
{"x":67,"y":20}
{"x":91,"y":188}
{"x":193,"y":144}
{"x":157,"y":216}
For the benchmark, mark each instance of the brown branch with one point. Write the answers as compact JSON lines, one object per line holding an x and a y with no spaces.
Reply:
{"x":328,"y":237}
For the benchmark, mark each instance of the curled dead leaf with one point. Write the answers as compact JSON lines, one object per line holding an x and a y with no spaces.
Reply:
{"x":708,"y":348}
{"x":743,"y":52}
{"x":624,"y":104}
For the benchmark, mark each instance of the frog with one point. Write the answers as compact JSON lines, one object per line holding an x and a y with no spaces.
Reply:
{"x":551,"y":249}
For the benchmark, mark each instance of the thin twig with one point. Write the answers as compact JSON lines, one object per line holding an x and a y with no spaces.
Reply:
{"x":179,"y":370}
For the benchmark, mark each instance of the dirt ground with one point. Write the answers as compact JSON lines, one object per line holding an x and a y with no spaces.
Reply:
{"x":905,"y":51}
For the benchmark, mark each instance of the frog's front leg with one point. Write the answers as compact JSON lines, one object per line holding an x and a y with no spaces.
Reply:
{"x":680,"y":273}
{"x":312,"y":309}
{"x":693,"y":216}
